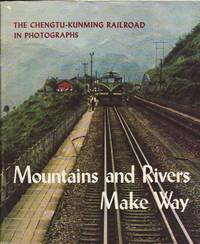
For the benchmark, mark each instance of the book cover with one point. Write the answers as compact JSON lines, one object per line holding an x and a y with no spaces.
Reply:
{"x":100,"y":122}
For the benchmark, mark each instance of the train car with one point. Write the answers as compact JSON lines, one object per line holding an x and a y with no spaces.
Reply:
{"x":110,"y":89}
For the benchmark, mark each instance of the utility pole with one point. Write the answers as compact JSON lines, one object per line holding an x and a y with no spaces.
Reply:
{"x":163,"y":49}
{"x":85,"y":70}
{"x":156,"y":47}
{"x":159,"y":48}
{"x":161,"y":66}
{"x":91,"y":63}
{"x":77,"y":77}
{"x":96,"y":75}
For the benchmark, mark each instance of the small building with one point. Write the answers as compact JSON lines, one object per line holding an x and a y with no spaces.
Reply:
{"x":64,"y":85}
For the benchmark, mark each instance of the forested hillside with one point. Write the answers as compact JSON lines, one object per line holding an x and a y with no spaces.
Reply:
{"x":26,"y":124}
{"x":180,"y":72}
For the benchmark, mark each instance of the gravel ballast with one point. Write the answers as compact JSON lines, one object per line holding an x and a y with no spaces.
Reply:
{"x":67,"y":221}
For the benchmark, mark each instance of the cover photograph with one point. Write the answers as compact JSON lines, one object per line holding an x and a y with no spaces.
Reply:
{"x":100,"y":122}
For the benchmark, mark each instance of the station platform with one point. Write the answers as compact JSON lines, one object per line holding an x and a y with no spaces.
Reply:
{"x":28,"y":221}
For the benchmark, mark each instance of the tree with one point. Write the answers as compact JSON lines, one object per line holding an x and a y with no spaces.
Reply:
{"x":51,"y":82}
{"x":77,"y":87}
{"x":6,"y":109}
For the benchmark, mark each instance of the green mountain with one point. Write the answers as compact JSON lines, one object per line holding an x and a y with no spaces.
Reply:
{"x":181,"y":71}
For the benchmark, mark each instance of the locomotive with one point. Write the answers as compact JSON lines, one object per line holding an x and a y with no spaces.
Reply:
{"x":109,"y":90}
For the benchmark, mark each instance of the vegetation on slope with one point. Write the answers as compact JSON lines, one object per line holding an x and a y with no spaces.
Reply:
{"x":29,"y":122}
{"x":181,"y":71}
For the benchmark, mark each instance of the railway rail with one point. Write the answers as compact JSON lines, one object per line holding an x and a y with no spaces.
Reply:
{"x":188,"y":122}
{"x":151,"y":225}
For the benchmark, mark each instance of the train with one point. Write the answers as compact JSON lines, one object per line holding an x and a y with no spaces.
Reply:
{"x":110,"y":90}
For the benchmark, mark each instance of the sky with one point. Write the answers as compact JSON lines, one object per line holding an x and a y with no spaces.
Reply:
{"x":165,"y":21}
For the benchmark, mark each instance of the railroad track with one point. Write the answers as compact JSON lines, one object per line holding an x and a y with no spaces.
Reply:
{"x":151,"y":225}
{"x":102,"y":226}
{"x":185,"y":121}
